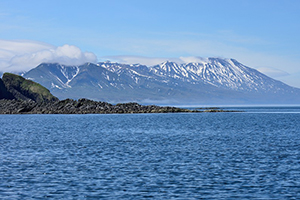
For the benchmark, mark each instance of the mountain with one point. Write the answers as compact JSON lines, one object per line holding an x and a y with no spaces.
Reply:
{"x":16,"y":87}
{"x":212,"y":81}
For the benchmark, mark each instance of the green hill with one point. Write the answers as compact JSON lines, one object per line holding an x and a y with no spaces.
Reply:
{"x":17,"y":87}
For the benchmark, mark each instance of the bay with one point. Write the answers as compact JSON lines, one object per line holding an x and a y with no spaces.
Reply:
{"x":249,"y":155}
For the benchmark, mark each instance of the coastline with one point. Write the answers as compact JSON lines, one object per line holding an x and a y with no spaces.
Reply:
{"x":81,"y":106}
{"x":86,"y":106}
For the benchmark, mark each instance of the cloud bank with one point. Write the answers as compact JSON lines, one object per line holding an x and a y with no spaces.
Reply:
{"x":143,"y":60}
{"x":20,"y":55}
{"x":150,"y":61}
{"x":273,"y":72}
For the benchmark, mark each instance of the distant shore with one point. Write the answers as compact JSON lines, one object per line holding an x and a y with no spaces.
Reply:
{"x":86,"y":106}
{"x":81,"y":106}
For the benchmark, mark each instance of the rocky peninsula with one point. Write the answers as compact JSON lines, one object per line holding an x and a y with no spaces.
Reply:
{"x":21,"y":96}
{"x":81,"y":106}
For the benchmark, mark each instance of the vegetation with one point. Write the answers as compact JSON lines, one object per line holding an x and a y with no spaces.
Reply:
{"x":25,"y":89}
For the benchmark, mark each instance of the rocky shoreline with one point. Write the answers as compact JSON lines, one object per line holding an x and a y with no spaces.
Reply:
{"x":81,"y":106}
{"x":21,"y":96}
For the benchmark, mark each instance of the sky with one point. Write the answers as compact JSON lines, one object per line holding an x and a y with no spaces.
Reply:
{"x":261,"y":34}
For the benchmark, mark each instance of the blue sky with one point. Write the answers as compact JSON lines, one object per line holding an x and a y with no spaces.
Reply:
{"x":262,"y":34}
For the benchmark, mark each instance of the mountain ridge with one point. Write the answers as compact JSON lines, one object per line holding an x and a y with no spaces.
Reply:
{"x":214,"y":80}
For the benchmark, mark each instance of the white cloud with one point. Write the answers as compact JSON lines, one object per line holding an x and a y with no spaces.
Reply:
{"x":273,"y":72}
{"x":193,"y":59}
{"x":20,"y":55}
{"x":149,"y":61}
{"x":291,"y":79}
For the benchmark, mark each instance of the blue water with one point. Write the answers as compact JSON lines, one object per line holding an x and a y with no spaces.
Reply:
{"x":249,"y":155}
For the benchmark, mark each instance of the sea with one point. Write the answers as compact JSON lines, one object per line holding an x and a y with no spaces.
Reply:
{"x":254,"y":154}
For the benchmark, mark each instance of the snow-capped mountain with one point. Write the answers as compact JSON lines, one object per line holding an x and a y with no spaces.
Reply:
{"x":222,"y":73}
{"x":213,"y":80}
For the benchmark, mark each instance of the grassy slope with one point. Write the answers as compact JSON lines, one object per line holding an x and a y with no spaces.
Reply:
{"x":27,"y":88}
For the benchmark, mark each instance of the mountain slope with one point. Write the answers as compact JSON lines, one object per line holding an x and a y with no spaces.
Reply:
{"x":222,"y":73}
{"x":212,"y":81}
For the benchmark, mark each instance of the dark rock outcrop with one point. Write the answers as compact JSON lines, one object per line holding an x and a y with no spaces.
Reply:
{"x":81,"y":106}
{"x":4,"y":93}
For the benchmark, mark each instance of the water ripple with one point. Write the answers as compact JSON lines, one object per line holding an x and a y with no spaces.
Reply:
{"x":150,"y":156}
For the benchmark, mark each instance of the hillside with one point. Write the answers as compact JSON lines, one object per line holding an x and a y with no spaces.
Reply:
{"x":16,"y":87}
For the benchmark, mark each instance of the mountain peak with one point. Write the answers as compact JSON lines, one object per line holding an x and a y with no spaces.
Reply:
{"x":168,"y":63}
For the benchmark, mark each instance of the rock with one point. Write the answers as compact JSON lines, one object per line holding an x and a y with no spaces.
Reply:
{"x":4,"y":93}
{"x":82,"y":106}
